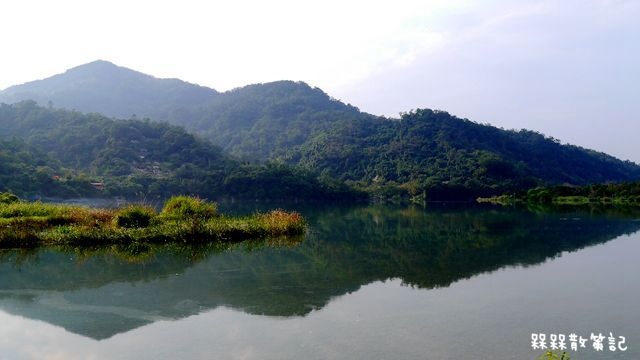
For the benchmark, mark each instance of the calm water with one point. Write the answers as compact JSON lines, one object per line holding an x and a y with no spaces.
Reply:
{"x":369,"y":282}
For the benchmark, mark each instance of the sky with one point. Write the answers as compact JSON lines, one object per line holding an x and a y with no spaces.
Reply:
{"x":567,"y":68}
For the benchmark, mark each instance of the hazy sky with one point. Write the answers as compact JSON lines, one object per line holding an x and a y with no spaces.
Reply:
{"x":570,"y":69}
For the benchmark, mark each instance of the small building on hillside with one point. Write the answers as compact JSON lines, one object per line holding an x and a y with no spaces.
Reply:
{"x":98,"y":185}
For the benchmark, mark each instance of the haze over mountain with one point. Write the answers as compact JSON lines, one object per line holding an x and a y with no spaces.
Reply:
{"x":108,"y":89}
{"x":425,"y":152}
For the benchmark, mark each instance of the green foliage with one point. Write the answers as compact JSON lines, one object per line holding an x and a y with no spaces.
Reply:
{"x":134,"y":216}
{"x":64,"y":152}
{"x":446,"y":157}
{"x":185,"y":207}
{"x":281,"y":182}
{"x":31,"y":209}
{"x":25,"y":170}
{"x":183,"y":219}
{"x":621,"y":194}
{"x":278,"y":222}
{"x":8,"y":198}
{"x":266,"y":121}
{"x":426,"y":154}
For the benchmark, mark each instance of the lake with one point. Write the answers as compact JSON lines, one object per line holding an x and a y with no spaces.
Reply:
{"x":366,"y":282}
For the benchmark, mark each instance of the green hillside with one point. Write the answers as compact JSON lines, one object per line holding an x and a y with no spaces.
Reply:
{"x":25,"y":170}
{"x":435,"y":153}
{"x":137,"y":158}
{"x":268,"y":121}
{"x":424,"y":153}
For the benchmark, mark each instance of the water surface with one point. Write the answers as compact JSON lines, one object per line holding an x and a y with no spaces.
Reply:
{"x":368,"y":282}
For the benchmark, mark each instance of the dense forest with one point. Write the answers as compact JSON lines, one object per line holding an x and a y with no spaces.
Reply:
{"x":296,"y":132}
{"x":26,"y":170}
{"x":435,"y":153}
{"x":134,"y":158}
{"x":269,"y":121}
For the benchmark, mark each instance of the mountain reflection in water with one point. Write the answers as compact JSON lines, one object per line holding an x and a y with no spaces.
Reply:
{"x":102,"y":292}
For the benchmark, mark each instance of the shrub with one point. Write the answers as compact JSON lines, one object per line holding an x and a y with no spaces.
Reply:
{"x":282,"y":222}
{"x":8,"y":198}
{"x":134,"y":216}
{"x":186,"y":207}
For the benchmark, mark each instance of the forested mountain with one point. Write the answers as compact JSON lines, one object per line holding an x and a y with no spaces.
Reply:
{"x":423,"y":153}
{"x":435,"y":153}
{"x":256,"y":122}
{"x":25,"y":170}
{"x":105,"y":88}
{"x":136,"y":158}
{"x":267,"y":121}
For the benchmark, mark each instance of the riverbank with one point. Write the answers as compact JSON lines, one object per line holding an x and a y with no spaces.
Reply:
{"x":182,"y":220}
{"x":624,"y":195}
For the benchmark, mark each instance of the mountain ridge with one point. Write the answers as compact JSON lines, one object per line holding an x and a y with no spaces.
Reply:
{"x":425,"y":153}
{"x":103,"y":87}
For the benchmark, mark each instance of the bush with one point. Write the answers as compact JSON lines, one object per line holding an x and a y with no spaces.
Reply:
{"x":134,"y":216}
{"x":282,"y":222}
{"x":8,"y":198}
{"x":186,"y":207}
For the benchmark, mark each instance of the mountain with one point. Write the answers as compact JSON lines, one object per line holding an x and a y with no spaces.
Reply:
{"x":424,"y":153}
{"x":267,"y":121}
{"x":105,"y":88}
{"x":437,"y":155}
{"x":254,"y":122}
{"x":135,"y":158}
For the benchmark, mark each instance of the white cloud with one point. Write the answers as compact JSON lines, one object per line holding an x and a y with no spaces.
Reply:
{"x":566,"y":68}
{"x":220,"y":44}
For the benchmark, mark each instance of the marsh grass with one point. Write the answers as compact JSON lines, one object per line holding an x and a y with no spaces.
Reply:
{"x":187,"y":207}
{"x":182,"y":220}
{"x":134,"y":216}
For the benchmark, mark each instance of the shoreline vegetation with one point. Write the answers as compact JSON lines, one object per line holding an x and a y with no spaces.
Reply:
{"x":183,"y":219}
{"x":623,"y":195}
